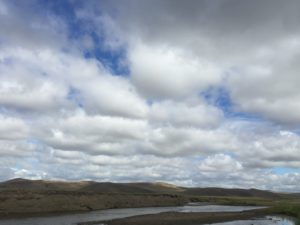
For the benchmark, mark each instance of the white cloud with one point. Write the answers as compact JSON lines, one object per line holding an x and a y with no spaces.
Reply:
{"x":42,"y":81}
{"x":95,"y":134}
{"x":170,"y":141}
{"x":220,"y":162}
{"x":15,"y":148}
{"x":191,"y":113}
{"x":274,"y":79}
{"x":13,"y":128}
{"x":276,"y":149}
{"x":112,"y":96}
{"x":164,"y":71}
{"x":185,"y":48}
{"x":25,"y":86}
{"x":26,"y":174}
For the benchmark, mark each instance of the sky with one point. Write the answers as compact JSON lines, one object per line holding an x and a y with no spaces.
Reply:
{"x":194,"y":93}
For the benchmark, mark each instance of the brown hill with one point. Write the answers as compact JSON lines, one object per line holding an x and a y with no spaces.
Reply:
{"x":24,"y":197}
{"x":131,"y":188}
{"x":21,"y":196}
{"x":42,"y":185}
{"x":139,"y":188}
{"x":212,"y":191}
{"x":90,"y":186}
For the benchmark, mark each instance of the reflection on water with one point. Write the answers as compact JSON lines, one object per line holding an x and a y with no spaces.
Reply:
{"x":268,"y":220}
{"x":216,"y":208}
{"x":121,"y":213}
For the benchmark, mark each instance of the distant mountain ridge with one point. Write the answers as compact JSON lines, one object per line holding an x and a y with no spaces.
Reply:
{"x":130,"y":188}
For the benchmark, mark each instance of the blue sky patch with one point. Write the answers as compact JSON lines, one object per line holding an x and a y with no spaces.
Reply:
{"x":285,"y":170}
{"x":220,"y":97}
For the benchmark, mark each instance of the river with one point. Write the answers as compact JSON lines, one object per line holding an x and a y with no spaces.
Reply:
{"x":267,"y":220}
{"x":109,"y":214}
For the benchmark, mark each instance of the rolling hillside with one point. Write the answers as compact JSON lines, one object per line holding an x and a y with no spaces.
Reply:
{"x":130,"y":188}
{"x":23,"y":197}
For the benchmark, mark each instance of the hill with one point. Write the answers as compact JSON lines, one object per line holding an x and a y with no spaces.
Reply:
{"x":23,"y":197}
{"x":90,"y":186}
{"x":130,"y":188}
{"x":212,"y":191}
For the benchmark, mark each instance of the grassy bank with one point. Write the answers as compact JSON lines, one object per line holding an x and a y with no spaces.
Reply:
{"x":21,"y":197}
{"x":284,"y":205}
{"x":287,"y":208}
{"x":24,"y":202}
{"x":248,"y":201}
{"x":177,"y":218}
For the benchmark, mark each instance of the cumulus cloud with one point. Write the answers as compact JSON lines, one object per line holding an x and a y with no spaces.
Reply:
{"x":188,"y":47}
{"x":220,"y":162}
{"x":164,"y":71}
{"x":274,"y":79}
{"x":272,"y":150}
{"x":15,"y":148}
{"x":169,"y":141}
{"x":53,"y":80}
{"x":95,"y":134}
{"x":13,"y":128}
{"x":66,"y":115}
{"x":175,"y":113}
{"x":34,"y":32}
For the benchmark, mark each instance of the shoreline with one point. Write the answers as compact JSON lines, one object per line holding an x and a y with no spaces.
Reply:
{"x":163,"y":218}
{"x":24,"y":203}
{"x":24,"y":215}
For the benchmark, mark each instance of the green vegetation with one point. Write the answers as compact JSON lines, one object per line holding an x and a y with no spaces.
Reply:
{"x":290,"y":209}
{"x":287,"y":208}
{"x":24,"y":197}
{"x":283,"y":205}
{"x":232,"y":200}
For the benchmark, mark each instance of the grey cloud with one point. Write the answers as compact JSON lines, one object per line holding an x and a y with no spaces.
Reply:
{"x":35,"y":31}
{"x":274,"y":79}
{"x":15,"y":148}
{"x":228,"y":36}
{"x":230,"y":21}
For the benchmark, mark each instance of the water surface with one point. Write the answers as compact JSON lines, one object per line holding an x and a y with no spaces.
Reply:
{"x":109,"y":214}
{"x":268,"y":220}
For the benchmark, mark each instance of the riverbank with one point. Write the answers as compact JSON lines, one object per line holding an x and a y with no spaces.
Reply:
{"x":178,"y":218}
{"x":287,"y":208}
{"x":21,"y":198}
{"x":25,"y":203}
